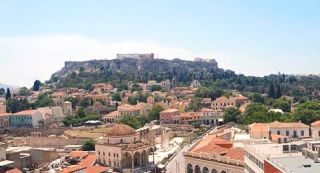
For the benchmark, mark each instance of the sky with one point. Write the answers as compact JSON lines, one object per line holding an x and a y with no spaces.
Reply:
{"x":248,"y":36}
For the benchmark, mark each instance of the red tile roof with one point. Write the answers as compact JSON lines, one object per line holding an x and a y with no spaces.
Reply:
{"x":316,"y":124}
{"x":78,"y":154}
{"x":26,"y":112}
{"x":14,"y":170}
{"x":87,"y":164}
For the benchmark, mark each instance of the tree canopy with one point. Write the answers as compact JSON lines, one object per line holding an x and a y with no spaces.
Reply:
{"x":36,"y":85}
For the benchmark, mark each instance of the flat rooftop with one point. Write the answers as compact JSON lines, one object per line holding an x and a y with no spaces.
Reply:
{"x":296,"y":164}
{"x":272,"y":150}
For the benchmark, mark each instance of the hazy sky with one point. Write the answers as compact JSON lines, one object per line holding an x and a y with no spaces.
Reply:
{"x":249,"y":36}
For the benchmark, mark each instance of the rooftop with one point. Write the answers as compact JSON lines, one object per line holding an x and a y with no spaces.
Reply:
{"x":169,"y":111}
{"x":278,"y":124}
{"x":296,"y":164}
{"x":121,"y":130}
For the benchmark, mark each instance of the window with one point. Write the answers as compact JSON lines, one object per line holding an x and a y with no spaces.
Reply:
{"x":318,"y":133}
{"x":98,"y":152}
{"x":109,"y":154}
{"x":294,"y":133}
{"x":302,"y":133}
{"x":278,"y":132}
{"x":287,"y":133}
{"x":104,"y":154}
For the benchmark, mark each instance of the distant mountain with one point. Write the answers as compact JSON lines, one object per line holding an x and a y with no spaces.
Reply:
{"x":143,"y":67}
{"x":138,"y":68}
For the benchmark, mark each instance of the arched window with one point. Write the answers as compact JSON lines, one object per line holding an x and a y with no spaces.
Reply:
{"x":205,"y":170}
{"x":197,"y":169}
{"x":214,"y":170}
{"x":189,"y":168}
{"x":223,"y":171}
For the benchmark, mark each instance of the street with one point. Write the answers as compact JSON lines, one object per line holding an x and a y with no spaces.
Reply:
{"x":176,"y":165}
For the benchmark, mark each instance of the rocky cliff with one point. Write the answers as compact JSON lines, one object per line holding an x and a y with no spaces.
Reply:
{"x":140,"y":70}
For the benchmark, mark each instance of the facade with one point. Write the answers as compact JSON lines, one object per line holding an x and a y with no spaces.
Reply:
{"x":126,"y":109}
{"x":189,"y":117}
{"x":112,"y":117}
{"x":3,"y":107}
{"x":4,"y":120}
{"x":58,"y":97}
{"x":170,"y":116}
{"x":102,"y":87}
{"x":279,"y":158}
{"x":134,"y":110}
{"x":292,"y":130}
{"x":165,"y":85}
{"x":195,"y":84}
{"x":315,"y":129}
{"x":3,"y":147}
{"x":279,"y":131}
{"x":214,"y":155}
{"x":211,"y":117}
{"x":122,"y":148}
{"x":224,"y":102}
{"x":150,"y":100}
{"x":67,"y":108}
{"x":26,"y":119}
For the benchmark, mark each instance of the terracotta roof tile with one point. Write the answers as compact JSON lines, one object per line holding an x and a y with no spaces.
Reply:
{"x":14,"y":170}
{"x":78,"y":154}
{"x":278,"y":124}
{"x":121,"y":130}
{"x":169,"y":111}
{"x":316,"y":124}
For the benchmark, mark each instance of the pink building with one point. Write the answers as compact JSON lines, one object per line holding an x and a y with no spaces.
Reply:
{"x":170,"y":116}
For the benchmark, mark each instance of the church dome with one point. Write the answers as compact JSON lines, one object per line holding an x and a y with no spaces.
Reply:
{"x":121,"y":130}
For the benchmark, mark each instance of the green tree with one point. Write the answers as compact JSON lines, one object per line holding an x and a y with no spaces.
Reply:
{"x":255,"y":113}
{"x":116,"y":97}
{"x":154,"y":113}
{"x":89,"y":145}
{"x":43,"y":101}
{"x":17,"y":105}
{"x":74,"y":101}
{"x":195,"y":104}
{"x":155,"y":88}
{"x":81,"y":113}
{"x":132,"y":121}
{"x":282,"y":104}
{"x":308,"y":112}
{"x":8,"y":94}
{"x":123,"y":86}
{"x":232,"y":115}
{"x":271,"y":91}
{"x":36,"y":85}
{"x":24,"y":91}
{"x":86,"y":102}
{"x":2,"y":91}
{"x":278,"y":92}
{"x":135,"y":87}
{"x":256,"y":98}
{"x":197,"y":125}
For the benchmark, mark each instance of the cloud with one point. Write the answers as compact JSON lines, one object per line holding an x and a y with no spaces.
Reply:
{"x":24,"y":59}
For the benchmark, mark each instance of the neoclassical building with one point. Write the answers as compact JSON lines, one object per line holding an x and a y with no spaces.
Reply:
{"x":214,"y":155}
{"x":122,"y":148}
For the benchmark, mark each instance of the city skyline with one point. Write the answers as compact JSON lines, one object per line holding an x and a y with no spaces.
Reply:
{"x":248,"y":37}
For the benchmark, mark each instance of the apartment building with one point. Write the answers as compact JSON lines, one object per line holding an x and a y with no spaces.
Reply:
{"x":170,"y":116}
{"x":214,"y":155}
{"x":281,"y":158}
{"x":279,"y":131}
{"x":224,"y":102}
